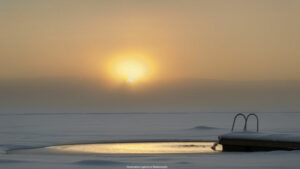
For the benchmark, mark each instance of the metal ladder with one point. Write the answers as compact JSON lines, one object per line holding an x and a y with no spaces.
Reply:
{"x":246,"y":120}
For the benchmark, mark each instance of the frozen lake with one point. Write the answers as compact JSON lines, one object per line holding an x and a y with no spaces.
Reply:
{"x":18,"y":131}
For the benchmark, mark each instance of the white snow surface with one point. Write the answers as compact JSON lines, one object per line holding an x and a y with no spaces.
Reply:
{"x":46,"y":129}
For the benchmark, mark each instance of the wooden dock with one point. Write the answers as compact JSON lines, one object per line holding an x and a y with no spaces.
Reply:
{"x":247,"y":141}
{"x":256,"y":141}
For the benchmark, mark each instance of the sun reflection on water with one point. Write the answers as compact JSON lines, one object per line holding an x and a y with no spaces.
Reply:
{"x":126,"y":148}
{"x":138,"y":148}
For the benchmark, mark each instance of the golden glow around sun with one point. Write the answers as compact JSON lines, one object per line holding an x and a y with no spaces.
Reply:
{"x":130,"y":68}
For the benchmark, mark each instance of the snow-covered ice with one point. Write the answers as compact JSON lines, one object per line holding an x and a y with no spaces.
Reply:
{"x":39,"y":130}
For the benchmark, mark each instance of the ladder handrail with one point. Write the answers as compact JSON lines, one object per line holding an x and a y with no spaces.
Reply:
{"x":235,"y":117}
{"x":257,"y":121}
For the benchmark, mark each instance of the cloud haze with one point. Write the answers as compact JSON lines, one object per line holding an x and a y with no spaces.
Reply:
{"x":42,"y":96}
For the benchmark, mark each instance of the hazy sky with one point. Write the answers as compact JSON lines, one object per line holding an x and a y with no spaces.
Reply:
{"x":254,"y":40}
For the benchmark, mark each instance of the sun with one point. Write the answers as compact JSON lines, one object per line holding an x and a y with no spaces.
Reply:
{"x":131,"y":80}
{"x":131,"y":69}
